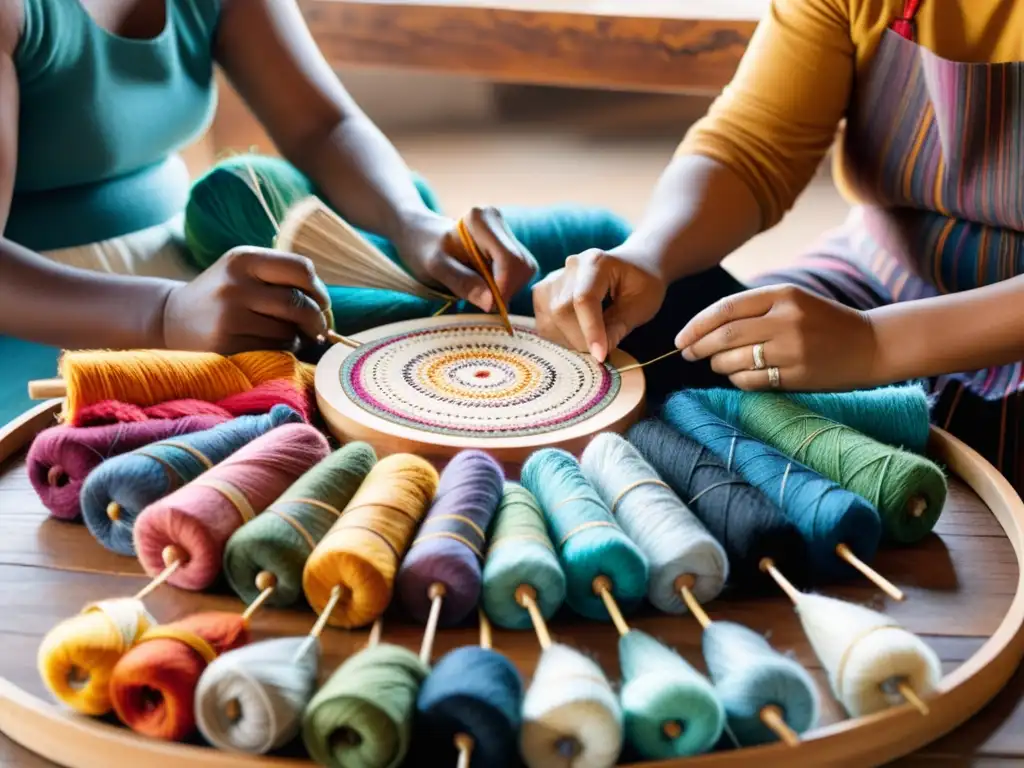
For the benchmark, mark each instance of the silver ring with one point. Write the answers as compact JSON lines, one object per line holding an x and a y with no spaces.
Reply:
{"x":759,"y":356}
{"x":773,"y":378}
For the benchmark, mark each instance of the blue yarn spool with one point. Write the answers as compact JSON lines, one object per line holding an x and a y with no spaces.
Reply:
{"x":589,"y":540}
{"x":825,"y":514}
{"x":750,"y":675}
{"x":475,"y":692}
{"x":133,"y":481}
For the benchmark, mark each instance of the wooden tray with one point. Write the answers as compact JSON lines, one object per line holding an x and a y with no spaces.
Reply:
{"x":963,"y":586}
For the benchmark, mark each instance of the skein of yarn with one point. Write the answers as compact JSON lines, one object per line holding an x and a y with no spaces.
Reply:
{"x":824,"y":513}
{"x":78,"y":656}
{"x":520,"y":553}
{"x":590,"y":541}
{"x":153,"y":685}
{"x":280,"y":540}
{"x":361,"y":552}
{"x":449,"y":547}
{"x":571,"y":715}
{"x":362,"y":716}
{"x":678,"y":547}
{"x":252,"y":699}
{"x":198,"y":518}
{"x":116,"y":492}
{"x":62,"y":457}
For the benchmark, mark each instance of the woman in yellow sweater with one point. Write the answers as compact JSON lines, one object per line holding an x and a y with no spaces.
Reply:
{"x":924,"y":281}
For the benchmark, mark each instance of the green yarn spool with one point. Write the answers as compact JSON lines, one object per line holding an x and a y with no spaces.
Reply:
{"x":908,"y":490}
{"x":281,"y":539}
{"x":362,"y":717}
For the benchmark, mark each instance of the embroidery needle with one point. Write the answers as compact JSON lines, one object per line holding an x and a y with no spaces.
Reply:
{"x":485,"y":272}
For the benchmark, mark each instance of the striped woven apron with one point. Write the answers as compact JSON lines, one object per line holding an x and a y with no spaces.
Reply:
{"x":937,"y":147}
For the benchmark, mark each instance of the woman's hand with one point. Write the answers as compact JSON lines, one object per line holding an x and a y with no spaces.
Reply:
{"x":250,"y":299}
{"x":568,"y":303}
{"x":815,"y":344}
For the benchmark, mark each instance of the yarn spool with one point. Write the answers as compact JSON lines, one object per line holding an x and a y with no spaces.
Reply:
{"x":153,"y":686}
{"x":824,"y":513}
{"x":448,"y":550}
{"x":361,"y":552}
{"x":280,"y":540}
{"x":677,"y":546}
{"x":62,"y":457}
{"x":520,"y":555}
{"x":591,"y":544}
{"x":908,"y":490}
{"x":117,"y":491}
{"x":252,"y":699}
{"x":198,"y":518}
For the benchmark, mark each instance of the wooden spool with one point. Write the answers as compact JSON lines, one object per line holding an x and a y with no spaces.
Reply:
{"x":970,"y":611}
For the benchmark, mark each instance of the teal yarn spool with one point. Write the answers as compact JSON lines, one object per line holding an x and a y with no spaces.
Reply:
{"x":363,"y":715}
{"x":280,"y":540}
{"x":590,"y":542}
{"x":749,"y":676}
{"x":520,"y":553}
{"x":670,"y":709}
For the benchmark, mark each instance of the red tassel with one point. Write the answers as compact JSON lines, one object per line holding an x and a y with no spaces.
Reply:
{"x":904,"y":25}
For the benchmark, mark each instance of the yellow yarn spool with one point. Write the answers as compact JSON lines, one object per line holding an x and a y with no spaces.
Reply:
{"x":77,"y":657}
{"x":362,"y":551}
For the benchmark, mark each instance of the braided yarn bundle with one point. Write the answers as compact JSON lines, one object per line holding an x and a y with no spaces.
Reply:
{"x":252,"y":699}
{"x":449,"y":548}
{"x":362,"y":716}
{"x":738,"y":515}
{"x":281,"y":539}
{"x":676,"y":544}
{"x":153,"y":685}
{"x":197,"y":519}
{"x":62,"y":457}
{"x":826,"y":514}
{"x":362,"y":551}
{"x":78,"y":656}
{"x":117,"y":491}
{"x":520,"y":553}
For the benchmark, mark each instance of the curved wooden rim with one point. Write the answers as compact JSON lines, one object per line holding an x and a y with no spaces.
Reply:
{"x":75,"y":741}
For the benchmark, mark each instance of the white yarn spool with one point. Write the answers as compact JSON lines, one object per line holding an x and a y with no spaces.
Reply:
{"x":252,"y":699}
{"x":571,"y":715}
{"x":674,"y":541}
{"x":867,"y":655}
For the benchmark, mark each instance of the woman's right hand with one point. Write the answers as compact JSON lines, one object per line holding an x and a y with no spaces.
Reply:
{"x":250,"y":299}
{"x":568,"y":303}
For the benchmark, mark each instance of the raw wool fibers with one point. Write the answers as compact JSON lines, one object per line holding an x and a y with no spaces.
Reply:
{"x":252,"y":699}
{"x":77,"y":657}
{"x":449,"y":547}
{"x":153,"y":685}
{"x":826,"y":514}
{"x":280,"y":540}
{"x":362,"y":551}
{"x":475,"y":692}
{"x":520,"y":553}
{"x":749,"y":675}
{"x":675,"y":542}
{"x":589,"y":541}
{"x":571,"y":715}
{"x":866,"y":654}
{"x":62,"y":457}
{"x":116,"y":492}
{"x":738,"y":515}
{"x":199,"y":518}
{"x":362,"y":716}
{"x":670,"y":709}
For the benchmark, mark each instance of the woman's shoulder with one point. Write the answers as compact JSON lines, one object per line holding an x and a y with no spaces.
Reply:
{"x":12,"y":18}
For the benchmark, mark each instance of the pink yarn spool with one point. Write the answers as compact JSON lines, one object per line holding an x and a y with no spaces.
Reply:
{"x":62,"y":457}
{"x":198,"y":518}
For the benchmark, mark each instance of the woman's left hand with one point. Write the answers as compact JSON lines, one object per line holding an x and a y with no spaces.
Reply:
{"x":814,"y":344}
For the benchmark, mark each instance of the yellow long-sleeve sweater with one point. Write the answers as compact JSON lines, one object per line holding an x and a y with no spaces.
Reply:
{"x":778,"y":117}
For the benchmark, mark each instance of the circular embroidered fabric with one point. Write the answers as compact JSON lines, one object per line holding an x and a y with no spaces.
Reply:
{"x":476,"y":380}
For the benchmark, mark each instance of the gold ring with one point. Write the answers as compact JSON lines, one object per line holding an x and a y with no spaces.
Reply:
{"x":773,"y":378}
{"x":759,"y":356}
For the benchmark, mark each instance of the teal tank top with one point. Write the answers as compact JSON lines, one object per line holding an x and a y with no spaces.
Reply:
{"x":101,"y":120}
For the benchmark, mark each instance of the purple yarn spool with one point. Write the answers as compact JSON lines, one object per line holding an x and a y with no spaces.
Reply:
{"x":450,"y":545}
{"x":62,"y":457}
